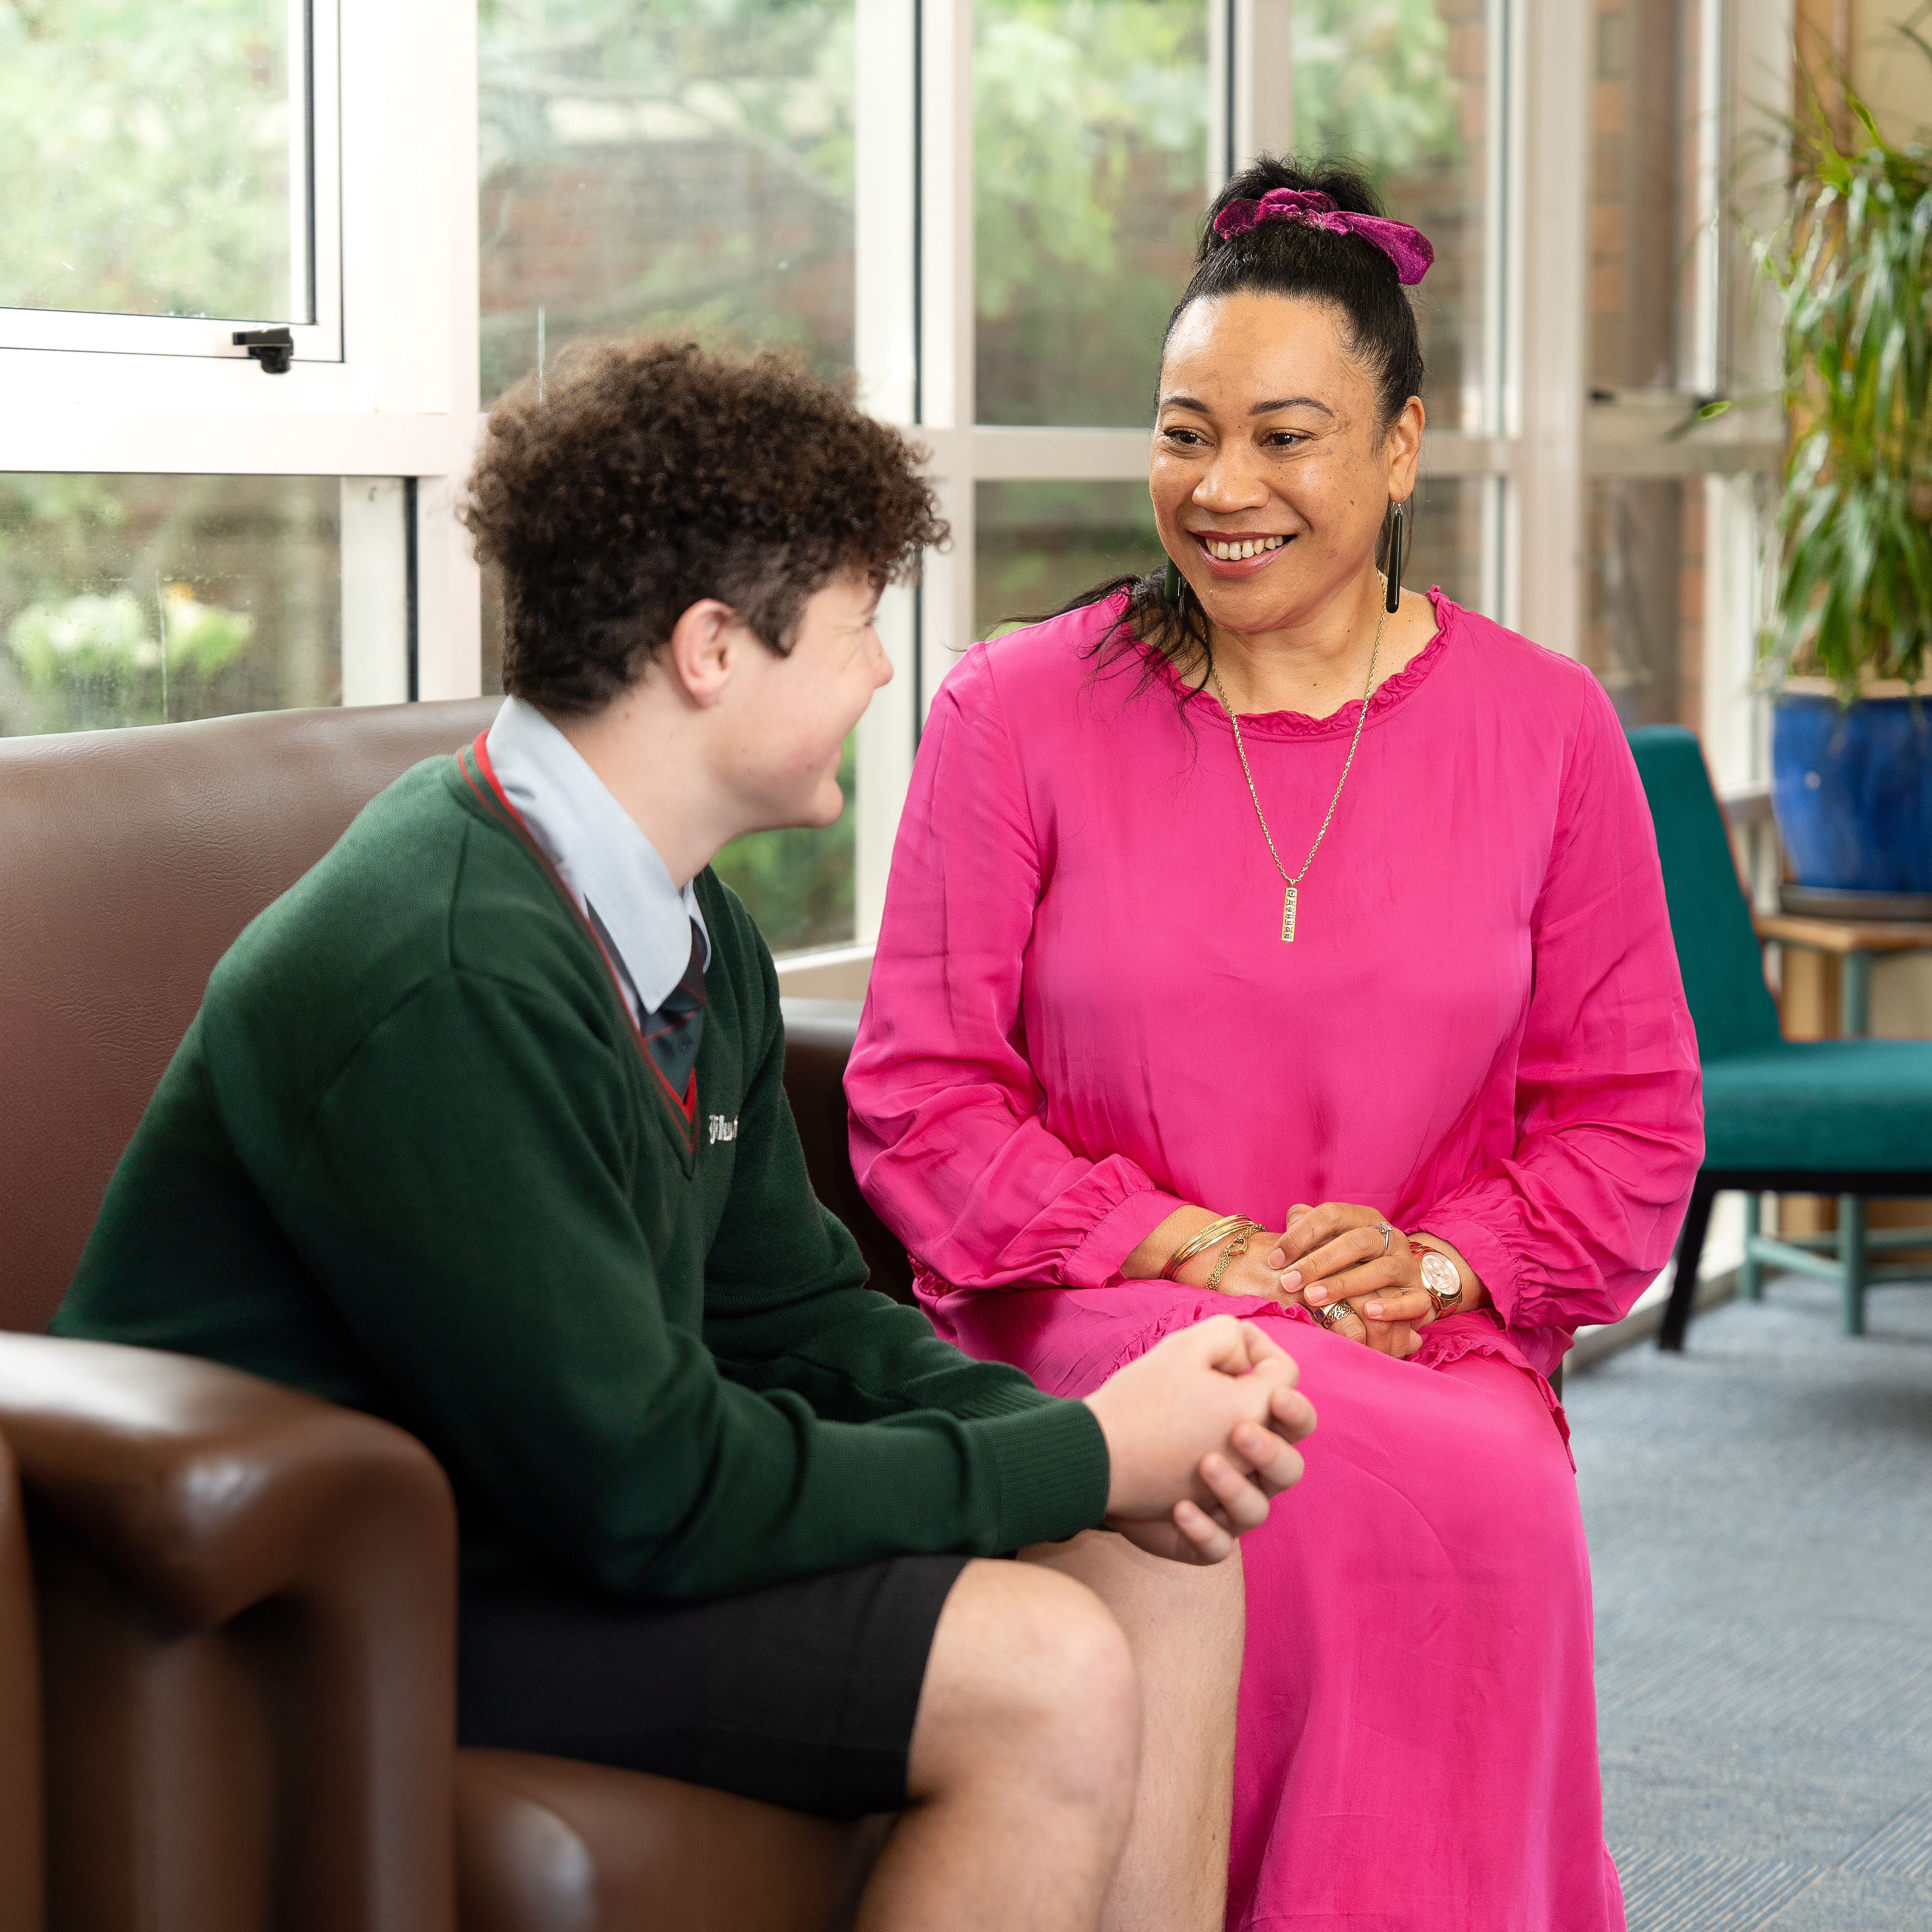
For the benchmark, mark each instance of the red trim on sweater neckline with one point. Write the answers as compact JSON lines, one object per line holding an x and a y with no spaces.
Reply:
{"x":687,"y":1106}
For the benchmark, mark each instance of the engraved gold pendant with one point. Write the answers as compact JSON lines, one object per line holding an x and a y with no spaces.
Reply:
{"x":1287,"y":916}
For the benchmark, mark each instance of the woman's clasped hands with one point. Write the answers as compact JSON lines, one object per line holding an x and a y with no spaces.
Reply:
{"x":1352,"y":1269}
{"x":1358,"y":1275}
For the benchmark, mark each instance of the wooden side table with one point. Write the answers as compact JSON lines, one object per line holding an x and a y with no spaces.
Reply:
{"x":1855,"y":941}
{"x":1843,"y":1257}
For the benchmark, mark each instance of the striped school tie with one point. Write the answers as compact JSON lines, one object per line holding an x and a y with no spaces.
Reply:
{"x":673,"y":1031}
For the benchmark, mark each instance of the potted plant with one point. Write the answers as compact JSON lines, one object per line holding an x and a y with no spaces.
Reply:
{"x":1846,"y":651}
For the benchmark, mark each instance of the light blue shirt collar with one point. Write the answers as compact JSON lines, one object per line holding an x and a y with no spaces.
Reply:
{"x":611,"y":868}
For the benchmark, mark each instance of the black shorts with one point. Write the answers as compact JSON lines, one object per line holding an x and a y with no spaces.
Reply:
{"x":803,"y":1694}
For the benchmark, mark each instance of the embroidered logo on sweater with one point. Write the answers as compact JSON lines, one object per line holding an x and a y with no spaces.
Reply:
{"x":722,"y":1130}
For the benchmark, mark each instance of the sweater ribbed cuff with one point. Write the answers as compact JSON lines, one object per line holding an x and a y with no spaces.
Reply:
{"x":1007,"y":1393}
{"x":1053,"y":1472}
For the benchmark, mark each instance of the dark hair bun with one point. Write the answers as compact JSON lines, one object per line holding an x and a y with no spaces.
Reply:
{"x":1293,"y":259}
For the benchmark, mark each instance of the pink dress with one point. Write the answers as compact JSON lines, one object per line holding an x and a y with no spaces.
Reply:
{"x":1082,"y":1015}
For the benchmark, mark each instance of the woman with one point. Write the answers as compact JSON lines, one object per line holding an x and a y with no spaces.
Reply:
{"x":1205,"y":984}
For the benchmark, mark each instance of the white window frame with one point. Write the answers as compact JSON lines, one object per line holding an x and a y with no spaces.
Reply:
{"x":315,"y":221}
{"x":395,"y":399}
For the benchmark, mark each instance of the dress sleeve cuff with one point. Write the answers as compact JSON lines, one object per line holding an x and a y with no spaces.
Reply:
{"x":1115,"y":1236}
{"x":1485,"y":1251}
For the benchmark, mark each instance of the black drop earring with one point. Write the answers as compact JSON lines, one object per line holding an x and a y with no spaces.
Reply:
{"x":1174,"y":587}
{"x":1394,"y":574}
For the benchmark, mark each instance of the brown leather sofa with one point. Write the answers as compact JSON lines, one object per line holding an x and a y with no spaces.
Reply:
{"x":20,"y":1827}
{"x":244,"y":1595}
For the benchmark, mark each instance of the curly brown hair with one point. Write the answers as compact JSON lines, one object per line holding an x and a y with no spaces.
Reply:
{"x":649,"y":474}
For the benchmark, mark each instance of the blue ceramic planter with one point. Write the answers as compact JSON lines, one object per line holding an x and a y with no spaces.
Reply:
{"x":1852,"y":791}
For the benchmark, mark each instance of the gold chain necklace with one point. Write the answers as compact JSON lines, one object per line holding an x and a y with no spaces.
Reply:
{"x":1294,"y":885}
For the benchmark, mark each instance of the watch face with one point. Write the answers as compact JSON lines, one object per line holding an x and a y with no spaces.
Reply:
{"x":1439,"y":1276}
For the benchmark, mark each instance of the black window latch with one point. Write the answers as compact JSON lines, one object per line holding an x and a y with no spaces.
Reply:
{"x":274,"y":349}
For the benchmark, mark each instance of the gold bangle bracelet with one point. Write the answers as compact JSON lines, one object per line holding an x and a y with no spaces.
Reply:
{"x":1206,"y":1238}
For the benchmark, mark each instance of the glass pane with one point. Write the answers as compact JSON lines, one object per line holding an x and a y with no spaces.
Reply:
{"x":665,"y":167}
{"x":1449,"y":536}
{"x":146,"y":151}
{"x":492,"y":630}
{"x":798,"y":885}
{"x":1645,"y":638}
{"x":241,"y":575}
{"x":1642,"y":210}
{"x":1403,"y":87}
{"x":1037,"y":544}
{"x":1090,"y":175}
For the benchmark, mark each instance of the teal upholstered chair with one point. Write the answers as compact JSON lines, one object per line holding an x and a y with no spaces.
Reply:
{"x":1852,"y":1117}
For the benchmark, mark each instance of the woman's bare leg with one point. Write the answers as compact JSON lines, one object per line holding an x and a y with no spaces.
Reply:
{"x":1185,"y":1626}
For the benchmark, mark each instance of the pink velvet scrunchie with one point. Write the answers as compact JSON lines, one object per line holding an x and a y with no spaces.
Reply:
{"x":1407,"y":247}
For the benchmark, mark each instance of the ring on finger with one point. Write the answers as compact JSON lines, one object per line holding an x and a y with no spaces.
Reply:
{"x":1332,"y":1317}
{"x":1388,"y":1234}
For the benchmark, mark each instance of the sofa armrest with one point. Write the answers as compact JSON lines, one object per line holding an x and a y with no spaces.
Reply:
{"x":205,"y":1490}
{"x":286,"y":1567}
{"x":546,"y":1845}
{"x":20,"y":1822}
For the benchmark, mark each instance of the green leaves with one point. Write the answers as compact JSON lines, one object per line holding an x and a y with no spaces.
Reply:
{"x":1373,"y":79}
{"x":1853,"y":266}
{"x":1089,"y":163}
{"x":93,"y":636}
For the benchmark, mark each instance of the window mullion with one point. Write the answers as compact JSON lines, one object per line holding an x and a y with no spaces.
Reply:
{"x":946,"y":323}
{"x":1261,"y":90}
{"x":1553,"y":163}
{"x":886,"y":352}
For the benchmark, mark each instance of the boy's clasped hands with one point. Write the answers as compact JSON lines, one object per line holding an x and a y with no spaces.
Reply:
{"x":1210,"y":1415}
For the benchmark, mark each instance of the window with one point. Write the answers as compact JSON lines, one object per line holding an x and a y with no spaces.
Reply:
{"x":647,"y":167}
{"x":983,"y":208}
{"x":175,"y":174}
{"x":1671,"y":608}
{"x":1090,"y":162}
{"x":139,"y":600}
{"x":171,"y":175}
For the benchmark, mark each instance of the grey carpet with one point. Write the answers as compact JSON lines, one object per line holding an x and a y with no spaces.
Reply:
{"x":1759,"y":1512}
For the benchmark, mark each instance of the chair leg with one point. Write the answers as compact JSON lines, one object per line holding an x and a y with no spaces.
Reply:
{"x":1750,"y":1273}
{"x":1684,"y":1281}
{"x":1852,"y":1264}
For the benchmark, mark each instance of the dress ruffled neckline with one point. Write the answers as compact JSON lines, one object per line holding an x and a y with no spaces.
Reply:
{"x":1203,"y":705}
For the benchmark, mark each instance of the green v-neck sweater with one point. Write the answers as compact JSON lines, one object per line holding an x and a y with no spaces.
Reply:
{"x":411,"y":1155}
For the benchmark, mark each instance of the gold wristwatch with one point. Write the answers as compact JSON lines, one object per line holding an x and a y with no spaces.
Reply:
{"x":1442,"y":1279}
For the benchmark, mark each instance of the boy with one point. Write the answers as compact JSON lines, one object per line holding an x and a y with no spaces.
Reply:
{"x":481,"y":1128}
